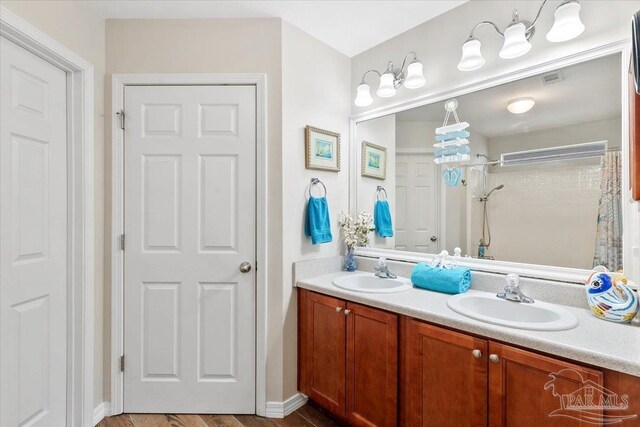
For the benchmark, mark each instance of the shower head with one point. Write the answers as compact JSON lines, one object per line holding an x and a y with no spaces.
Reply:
{"x":499,"y":187}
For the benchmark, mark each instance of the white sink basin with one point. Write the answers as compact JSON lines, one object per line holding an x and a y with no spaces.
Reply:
{"x":368,"y":282}
{"x":538,"y":316}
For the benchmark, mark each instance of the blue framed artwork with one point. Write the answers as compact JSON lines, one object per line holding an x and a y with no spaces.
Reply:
{"x":322,"y":149}
{"x":374,"y":160}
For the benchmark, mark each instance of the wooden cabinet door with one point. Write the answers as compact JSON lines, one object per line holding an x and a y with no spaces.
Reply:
{"x":446,"y":384}
{"x":372,"y":366}
{"x":322,"y":348}
{"x":523,"y":393}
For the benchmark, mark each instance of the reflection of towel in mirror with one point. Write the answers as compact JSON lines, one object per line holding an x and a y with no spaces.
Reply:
{"x":317,"y":224}
{"x":382,"y":219}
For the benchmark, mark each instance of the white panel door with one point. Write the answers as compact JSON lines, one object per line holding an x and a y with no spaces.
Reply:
{"x":416,"y":203}
{"x":189,"y":225}
{"x":33,"y":243}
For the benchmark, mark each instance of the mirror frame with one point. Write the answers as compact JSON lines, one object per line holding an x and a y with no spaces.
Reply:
{"x":548,"y":272}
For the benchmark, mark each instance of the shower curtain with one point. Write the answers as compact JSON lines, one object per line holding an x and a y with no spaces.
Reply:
{"x":608,"y":250}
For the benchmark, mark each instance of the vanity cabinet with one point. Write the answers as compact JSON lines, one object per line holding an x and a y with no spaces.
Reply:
{"x":349,"y":359}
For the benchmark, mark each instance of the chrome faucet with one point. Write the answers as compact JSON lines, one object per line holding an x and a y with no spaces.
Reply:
{"x":382,"y":270}
{"x":512,"y":291}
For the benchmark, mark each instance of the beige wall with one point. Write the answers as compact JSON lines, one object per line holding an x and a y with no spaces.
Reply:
{"x":315,"y":91}
{"x":213,"y":46}
{"x":77,"y":27}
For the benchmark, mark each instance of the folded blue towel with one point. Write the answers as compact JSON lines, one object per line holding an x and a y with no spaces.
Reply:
{"x":448,"y":280}
{"x":453,"y":135}
{"x":382,"y":219}
{"x":317,"y":224}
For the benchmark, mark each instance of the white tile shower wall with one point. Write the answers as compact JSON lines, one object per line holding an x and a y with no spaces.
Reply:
{"x":544,"y":215}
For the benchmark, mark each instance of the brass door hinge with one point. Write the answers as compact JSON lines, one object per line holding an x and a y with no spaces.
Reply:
{"x":122,"y":363}
{"x":122,"y":242}
{"x":120,"y":115}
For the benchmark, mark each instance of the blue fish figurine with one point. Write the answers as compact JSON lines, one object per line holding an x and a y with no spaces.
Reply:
{"x":610,"y":297}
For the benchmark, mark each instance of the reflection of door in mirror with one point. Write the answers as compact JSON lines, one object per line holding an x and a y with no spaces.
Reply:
{"x":416,"y":203}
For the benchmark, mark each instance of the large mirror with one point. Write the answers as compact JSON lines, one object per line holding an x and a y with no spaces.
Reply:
{"x":539,"y":179}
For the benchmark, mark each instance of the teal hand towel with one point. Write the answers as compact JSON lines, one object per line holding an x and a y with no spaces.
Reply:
{"x":317,"y":224}
{"x":461,"y":134}
{"x":448,"y":280}
{"x":382,"y":219}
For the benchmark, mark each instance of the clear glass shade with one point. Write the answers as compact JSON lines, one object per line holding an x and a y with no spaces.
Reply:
{"x":471,"y":56}
{"x":567,"y":24}
{"x":363,"y":97}
{"x":414,"y":78}
{"x":515,"y":42}
{"x":386,"y":88}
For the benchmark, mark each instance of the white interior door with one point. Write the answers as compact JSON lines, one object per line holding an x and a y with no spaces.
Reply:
{"x":189,"y":224}
{"x":416,"y":203}
{"x":33,"y":243}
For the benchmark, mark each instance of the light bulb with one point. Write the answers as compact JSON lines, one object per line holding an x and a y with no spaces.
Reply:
{"x":414,"y":78}
{"x":386,"y":88}
{"x":363,"y":97}
{"x":471,"y":56}
{"x":520,"y":105}
{"x":567,"y":24}
{"x":515,"y":41}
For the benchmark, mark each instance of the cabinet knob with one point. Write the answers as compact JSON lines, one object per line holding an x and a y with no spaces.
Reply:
{"x":477,"y":353}
{"x":494,"y":358}
{"x":338,"y":309}
{"x":346,"y":312}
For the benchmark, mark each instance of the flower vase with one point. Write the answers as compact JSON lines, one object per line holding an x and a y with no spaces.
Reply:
{"x":350,"y":262}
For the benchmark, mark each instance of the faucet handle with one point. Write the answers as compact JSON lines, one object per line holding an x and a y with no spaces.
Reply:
{"x":513,"y":282}
{"x":382,"y":262}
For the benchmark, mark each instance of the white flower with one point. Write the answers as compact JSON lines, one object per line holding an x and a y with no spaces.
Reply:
{"x":355,"y":232}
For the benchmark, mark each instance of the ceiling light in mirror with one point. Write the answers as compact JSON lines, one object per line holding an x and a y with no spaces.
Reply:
{"x":363,"y":98}
{"x":567,"y":24}
{"x":520,"y":105}
{"x":415,"y":78}
{"x":386,"y":88}
{"x":515,"y":41}
{"x":471,"y":56}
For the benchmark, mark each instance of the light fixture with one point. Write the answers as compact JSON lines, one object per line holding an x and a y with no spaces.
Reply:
{"x":515,"y":41}
{"x":566,"y":26}
{"x":364,"y":95}
{"x":391,"y":79}
{"x":471,"y":55}
{"x":520,"y":105}
{"x":386,"y":88}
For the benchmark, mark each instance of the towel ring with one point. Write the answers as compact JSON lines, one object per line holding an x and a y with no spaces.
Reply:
{"x":316,"y":181}
{"x":379,"y":190}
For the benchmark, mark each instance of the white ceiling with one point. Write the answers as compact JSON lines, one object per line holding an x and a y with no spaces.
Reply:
{"x":589,"y":92}
{"x":350,"y":27}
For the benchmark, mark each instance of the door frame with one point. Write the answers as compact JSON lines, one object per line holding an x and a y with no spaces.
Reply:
{"x":118,"y":84}
{"x":80,"y":208}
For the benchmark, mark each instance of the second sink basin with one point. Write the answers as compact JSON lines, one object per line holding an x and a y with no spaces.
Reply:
{"x":538,"y":316}
{"x":368,"y":282}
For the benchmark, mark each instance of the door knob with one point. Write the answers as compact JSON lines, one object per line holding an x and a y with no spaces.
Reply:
{"x":494,"y":358}
{"x":245,"y":267}
{"x":477,"y":353}
{"x":434,"y":238}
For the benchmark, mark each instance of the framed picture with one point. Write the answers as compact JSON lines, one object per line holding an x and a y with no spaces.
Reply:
{"x":374,"y":160}
{"x":322,"y":149}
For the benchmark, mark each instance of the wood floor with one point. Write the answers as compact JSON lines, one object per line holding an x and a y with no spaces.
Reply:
{"x":307,"y":416}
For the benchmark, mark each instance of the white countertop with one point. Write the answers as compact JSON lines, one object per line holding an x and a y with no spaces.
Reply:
{"x":594,"y":341}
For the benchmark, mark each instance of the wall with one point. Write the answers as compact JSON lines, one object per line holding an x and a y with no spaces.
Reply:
{"x":438,"y":43}
{"x":381,"y":132}
{"x":315,"y":91}
{"x":194,"y":46}
{"x":76,"y":26}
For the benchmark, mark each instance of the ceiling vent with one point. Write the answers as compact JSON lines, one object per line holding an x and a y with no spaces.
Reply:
{"x":552,"y":78}
{"x":565,"y":152}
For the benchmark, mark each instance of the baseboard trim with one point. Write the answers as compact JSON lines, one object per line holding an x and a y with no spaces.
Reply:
{"x":282,"y":409}
{"x":101,"y":411}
